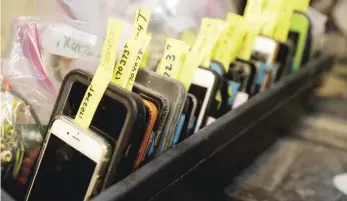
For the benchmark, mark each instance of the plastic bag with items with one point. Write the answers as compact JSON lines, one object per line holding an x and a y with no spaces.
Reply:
{"x":170,"y":18}
{"x":21,"y":139}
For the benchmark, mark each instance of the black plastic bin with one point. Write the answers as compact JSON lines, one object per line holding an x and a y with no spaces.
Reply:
{"x":200,"y":167}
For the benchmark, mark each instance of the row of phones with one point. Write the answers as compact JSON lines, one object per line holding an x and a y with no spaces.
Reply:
{"x":131,"y":128}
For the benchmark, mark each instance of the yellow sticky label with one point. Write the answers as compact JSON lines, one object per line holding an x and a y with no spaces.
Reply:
{"x":229,"y":50}
{"x":283,"y":25}
{"x":142,"y":44}
{"x":226,"y":43}
{"x":274,"y":5}
{"x":191,"y":63}
{"x":301,"y":5}
{"x":171,"y":62}
{"x":123,"y":69}
{"x":253,"y":7}
{"x":143,"y":64}
{"x":210,"y":31}
{"x":252,"y":29}
{"x":141,"y":21}
{"x":269,"y":23}
{"x":125,"y":63}
{"x":102,"y":76}
{"x":189,"y":37}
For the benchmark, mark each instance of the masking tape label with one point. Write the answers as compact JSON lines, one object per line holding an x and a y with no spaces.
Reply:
{"x":191,"y":63}
{"x":102,"y":76}
{"x":143,"y":64}
{"x":171,"y":62}
{"x":283,"y":25}
{"x":229,"y":40}
{"x":125,"y":63}
{"x":269,"y":22}
{"x":141,"y":22}
{"x":210,"y":31}
{"x":143,"y":42}
{"x":253,"y":7}
{"x":301,"y":5}
{"x":252,"y":29}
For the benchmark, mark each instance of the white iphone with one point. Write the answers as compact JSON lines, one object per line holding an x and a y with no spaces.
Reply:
{"x":71,"y":164}
{"x":265,"y":50}
{"x":203,"y":88}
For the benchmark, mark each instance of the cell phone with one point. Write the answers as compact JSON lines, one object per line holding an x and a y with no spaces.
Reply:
{"x":119,"y":118}
{"x":265,"y":50}
{"x":204,"y":88}
{"x":71,"y":165}
{"x":246,"y":70}
{"x":152,"y":116}
{"x":189,"y":124}
{"x":175,"y":92}
{"x":181,"y":123}
{"x":163,"y":105}
{"x":300,"y":37}
{"x":218,"y":101}
{"x":239,"y":81}
{"x":263,"y":77}
{"x":284,"y":59}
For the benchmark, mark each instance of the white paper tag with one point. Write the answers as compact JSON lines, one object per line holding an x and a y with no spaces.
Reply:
{"x":241,"y":98}
{"x":64,"y":40}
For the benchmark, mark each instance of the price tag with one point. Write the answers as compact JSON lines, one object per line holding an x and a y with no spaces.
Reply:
{"x":143,"y":42}
{"x":102,"y":76}
{"x":173,"y":58}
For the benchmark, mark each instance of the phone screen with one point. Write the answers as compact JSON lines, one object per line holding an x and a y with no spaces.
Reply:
{"x":109,"y":117}
{"x":64,"y":173}
{"x":200,"y":93}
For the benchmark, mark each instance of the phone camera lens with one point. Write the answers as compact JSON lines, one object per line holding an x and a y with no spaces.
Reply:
{"x":68,"y":133}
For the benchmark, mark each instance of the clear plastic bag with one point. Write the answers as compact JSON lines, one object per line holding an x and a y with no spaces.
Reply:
{"x":25,"y":70}
{"x":170,"y":18}
{"x":21,"y":139}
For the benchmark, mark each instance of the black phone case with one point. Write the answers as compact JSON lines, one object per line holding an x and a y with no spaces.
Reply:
{"x":123,"y":157}
{"x":185,"y":133}
{"x":185,"y":123}
{"x":284,"y":57}
{"x":215,"y":105}
{"x":175,"y":92}
{"x":245,"y":87}
{"x":163,"y":113}
{"x":308,"y":44}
